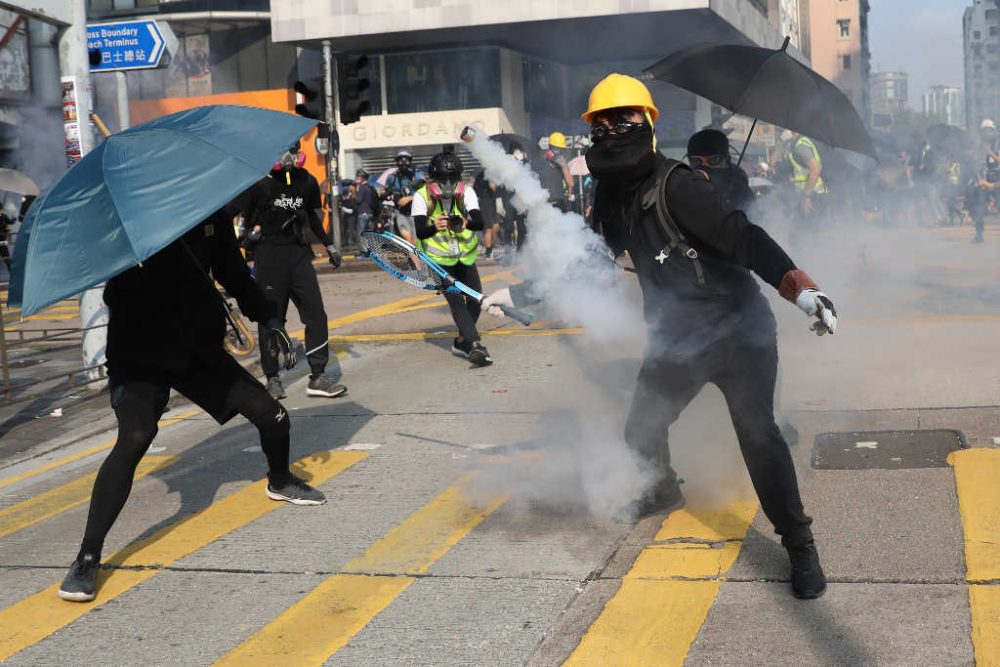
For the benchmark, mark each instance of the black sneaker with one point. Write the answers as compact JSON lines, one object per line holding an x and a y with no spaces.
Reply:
{"x":275,"y":388}
{"x":479,"y":355}
{"x":324,"y":386}
{"x":461,"y":349}
{"x":81,"y":581}
{"x":296,"y":492}
{"x":488,"y":253}
{"x":808,"y":580}
{"x":662,"y":499}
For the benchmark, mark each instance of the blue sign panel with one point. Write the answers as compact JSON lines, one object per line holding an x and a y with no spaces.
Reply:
{"x":124,"y":45}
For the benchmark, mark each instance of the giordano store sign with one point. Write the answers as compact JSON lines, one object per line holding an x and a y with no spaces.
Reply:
{"x":418,"y":129}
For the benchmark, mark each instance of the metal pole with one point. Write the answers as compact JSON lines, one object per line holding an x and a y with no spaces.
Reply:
{"x":331,"y":110}
{"x":3,"y":356}
{"x":124,"y":117}
{"x":747,"y":142}
{"x":75,"y":62}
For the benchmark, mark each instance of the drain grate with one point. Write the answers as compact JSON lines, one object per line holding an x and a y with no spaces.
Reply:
{"x":885,"y":450}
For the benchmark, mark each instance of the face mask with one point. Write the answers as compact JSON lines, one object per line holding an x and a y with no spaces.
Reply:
{"x":289,"y":160}
{"x":519,"y":156}
{"x":627,"y":157}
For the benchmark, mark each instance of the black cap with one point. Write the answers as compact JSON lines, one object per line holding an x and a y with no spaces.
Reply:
{"x":708,"y":142}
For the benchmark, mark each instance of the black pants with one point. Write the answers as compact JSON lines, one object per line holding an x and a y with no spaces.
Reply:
{"x":464,"y":309}
{"x":745,"y":372}
{"x":223,"y":389}
{"x":285,"y":272}
{"x":978,"y":206}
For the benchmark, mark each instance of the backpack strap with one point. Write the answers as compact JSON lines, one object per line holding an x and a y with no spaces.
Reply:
{"x":656,"y":197}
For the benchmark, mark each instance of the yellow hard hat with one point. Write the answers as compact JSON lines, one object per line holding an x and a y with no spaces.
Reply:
{"x":619,"y":90}
{"x":557,"y":139}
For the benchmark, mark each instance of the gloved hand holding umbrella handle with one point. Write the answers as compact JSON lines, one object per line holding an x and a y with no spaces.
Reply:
{"x":799,"y":288}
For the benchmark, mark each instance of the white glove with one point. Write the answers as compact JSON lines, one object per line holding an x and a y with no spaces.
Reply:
{"x":499,"y":298}
{"x":815,"y":303}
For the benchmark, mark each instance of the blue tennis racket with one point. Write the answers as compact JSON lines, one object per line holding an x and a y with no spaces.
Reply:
{"x":402,"y":260}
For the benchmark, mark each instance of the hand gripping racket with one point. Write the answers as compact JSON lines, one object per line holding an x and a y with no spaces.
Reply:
{"x":402,"y":260}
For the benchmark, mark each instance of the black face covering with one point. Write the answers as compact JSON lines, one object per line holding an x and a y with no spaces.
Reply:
{"x":623,"y":158}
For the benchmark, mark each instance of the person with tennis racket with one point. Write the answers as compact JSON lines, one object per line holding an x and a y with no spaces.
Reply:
{"x":707,"y":319}
{"x":446,"y":217}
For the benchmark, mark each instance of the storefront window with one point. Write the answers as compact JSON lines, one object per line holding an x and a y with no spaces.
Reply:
{"x":544,"y":88}
{"x":442,"y":80}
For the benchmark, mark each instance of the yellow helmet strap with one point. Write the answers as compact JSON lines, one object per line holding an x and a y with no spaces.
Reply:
{"x":649,"y":119}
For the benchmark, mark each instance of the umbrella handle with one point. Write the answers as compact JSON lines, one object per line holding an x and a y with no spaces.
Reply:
{"x":747,"y":142}
{"x":226,"y":306}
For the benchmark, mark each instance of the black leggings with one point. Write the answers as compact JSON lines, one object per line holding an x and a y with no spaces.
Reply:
{"x":464,"y":309}
{"x":138,"y":404}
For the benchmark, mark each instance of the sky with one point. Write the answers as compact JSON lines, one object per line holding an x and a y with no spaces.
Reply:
{"x":920,"y":37}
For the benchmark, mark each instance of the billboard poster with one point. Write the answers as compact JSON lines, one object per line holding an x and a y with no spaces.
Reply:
{"x":71,"y":120}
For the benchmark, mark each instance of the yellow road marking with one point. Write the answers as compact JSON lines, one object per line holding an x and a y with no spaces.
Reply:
{"x":323,"y":621}
{"x":35,"y":618}
{"x":62,"y":498}
{"x":666,"y":596}
{"x":976,"y":475}
{"x":394,"y":307}
{"x":107,"y":444}
{"x":426,"y":335}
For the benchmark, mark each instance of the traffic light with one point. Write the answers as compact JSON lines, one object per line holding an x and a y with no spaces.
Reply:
{"x":311,"y":91}
{"x":355,"y":98}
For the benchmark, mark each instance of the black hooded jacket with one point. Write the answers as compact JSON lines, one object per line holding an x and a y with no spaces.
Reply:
{"x":165,"y":315}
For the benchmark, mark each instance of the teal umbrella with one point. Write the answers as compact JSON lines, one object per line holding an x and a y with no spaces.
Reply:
{"x":139,"y":191}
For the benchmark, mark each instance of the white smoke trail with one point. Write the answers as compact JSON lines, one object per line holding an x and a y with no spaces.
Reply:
{"x":567,"y":262}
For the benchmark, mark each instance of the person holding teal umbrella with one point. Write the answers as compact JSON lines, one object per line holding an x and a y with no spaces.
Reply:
{"x":149,"y":211}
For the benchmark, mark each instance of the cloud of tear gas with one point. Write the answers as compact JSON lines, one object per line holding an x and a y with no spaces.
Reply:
{"x":568,"y":264}
{"x":585,"y":461}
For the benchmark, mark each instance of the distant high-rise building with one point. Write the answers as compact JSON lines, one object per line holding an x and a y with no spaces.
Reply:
{"x":981,"y":37}
{"x":943,"y":104}
{"x":889,"y":92}
{"x":838,"y":46}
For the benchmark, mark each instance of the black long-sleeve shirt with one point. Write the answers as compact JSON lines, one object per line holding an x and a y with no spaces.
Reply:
{"x":167,"y":315}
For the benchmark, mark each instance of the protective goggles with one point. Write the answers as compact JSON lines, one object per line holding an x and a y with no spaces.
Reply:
{"x":404,"y":160}
{"x":614,"y":127}
{"x":711,"y":161}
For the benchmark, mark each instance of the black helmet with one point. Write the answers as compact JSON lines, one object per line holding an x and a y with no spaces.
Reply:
{"x":708,"y":142}
{"x":361,"y":173}
{"x":445,"y":167}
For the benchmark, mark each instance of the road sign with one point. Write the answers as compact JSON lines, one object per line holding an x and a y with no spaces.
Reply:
{"x":128,"y":45}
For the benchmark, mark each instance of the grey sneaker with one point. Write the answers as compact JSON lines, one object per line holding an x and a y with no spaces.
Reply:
{"x":275,"y":388}
{"x":479,"y":355}
{"x":324,"y":386}
{"x":297,"y":492}
{"x":80,"y":583}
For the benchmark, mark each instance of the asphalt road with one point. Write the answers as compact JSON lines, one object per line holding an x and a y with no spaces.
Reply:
{"x":469,"y":515}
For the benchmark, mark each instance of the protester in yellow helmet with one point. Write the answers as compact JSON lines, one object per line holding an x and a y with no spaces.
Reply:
{"x":707,"y":319}
{"x":553,"y":172}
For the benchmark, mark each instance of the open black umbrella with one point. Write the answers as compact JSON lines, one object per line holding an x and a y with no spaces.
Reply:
{"x":768,"y":85}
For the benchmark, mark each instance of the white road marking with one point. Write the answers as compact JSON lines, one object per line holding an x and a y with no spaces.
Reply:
{"x":868,"y":444}
{"x":361,"y":447}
